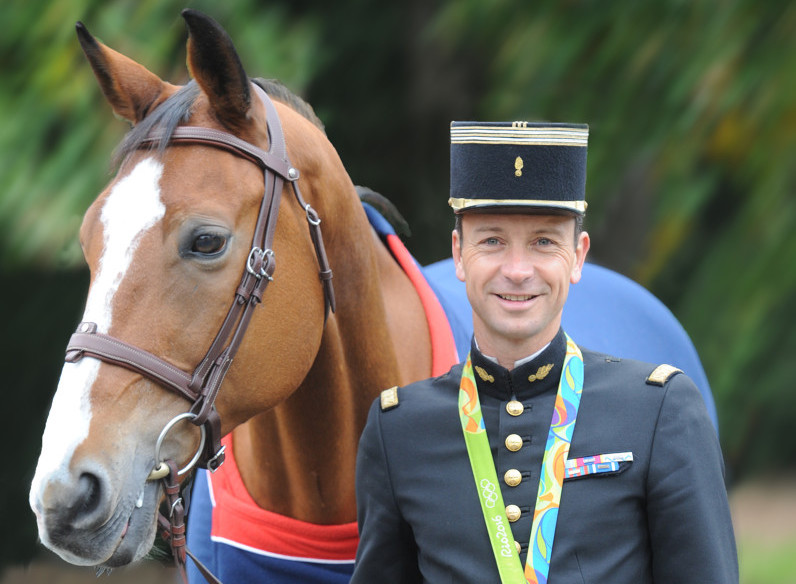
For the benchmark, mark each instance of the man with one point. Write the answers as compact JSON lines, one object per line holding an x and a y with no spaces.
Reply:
{"x":448,"y":472}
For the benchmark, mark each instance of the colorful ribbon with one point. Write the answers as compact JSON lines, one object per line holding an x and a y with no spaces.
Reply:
{"x":540,"y":547}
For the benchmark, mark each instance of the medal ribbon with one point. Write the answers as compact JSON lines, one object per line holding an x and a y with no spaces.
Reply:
{"x":565,"y":411}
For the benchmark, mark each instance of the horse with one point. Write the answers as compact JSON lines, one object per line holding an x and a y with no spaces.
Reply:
{"x":165,"y":243}
{"x":238,"y":290}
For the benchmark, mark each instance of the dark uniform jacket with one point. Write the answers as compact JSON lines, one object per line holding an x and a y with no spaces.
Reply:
{"x":662,"y":518}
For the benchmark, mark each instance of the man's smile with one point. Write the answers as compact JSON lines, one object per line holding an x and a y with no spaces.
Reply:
{"x":517,"y":297}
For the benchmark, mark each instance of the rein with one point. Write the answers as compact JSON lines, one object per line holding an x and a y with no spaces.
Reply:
{"x":201,"y":387}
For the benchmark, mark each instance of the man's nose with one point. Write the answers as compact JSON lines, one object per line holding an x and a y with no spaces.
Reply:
{"x":518,"y":264}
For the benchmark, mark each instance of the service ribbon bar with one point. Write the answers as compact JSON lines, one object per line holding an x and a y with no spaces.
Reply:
{"x":612,"y":457}
{"x":600,"y":463}
{"x":588,"y":469}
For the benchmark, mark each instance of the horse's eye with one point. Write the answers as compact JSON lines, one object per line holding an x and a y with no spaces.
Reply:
{"x":209,"y":244}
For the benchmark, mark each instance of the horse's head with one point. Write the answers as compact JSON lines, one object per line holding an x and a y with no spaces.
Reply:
{"x":167,"y":242}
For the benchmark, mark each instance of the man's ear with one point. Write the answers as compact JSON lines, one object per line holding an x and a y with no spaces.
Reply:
{"x":456,"y":252}
{"x":581,"y":250}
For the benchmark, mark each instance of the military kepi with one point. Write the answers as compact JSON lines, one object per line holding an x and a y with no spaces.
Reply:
{"x":515,"y":166}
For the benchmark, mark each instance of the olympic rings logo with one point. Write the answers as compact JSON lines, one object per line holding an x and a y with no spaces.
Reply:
{"x":489,"y":493}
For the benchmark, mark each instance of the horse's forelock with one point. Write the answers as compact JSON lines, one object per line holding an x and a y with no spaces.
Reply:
{"x":177,"y":109}
{"x":167,"y":116}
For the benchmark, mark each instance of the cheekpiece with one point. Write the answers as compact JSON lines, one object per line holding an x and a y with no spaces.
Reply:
{"x":518,"y":166}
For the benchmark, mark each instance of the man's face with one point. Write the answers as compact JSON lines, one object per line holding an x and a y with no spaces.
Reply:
{"x":517,"y":269}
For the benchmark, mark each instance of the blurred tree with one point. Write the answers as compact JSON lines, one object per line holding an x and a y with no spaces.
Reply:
{"x":692,"y":112}
{"x":692,"y":109}
{"x":57,"y":130}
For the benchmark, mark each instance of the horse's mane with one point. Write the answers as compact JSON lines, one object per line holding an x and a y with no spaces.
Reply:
{"x":178,"y":108}
{"x":279,"y":92}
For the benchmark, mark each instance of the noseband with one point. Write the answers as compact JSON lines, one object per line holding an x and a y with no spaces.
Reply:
{"x":201,"y":387}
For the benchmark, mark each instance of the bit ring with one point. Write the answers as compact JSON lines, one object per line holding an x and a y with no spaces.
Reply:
{"x":162,"y":469}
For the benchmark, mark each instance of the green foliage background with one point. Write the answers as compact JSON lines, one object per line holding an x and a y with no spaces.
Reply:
{"x":692,"y":108}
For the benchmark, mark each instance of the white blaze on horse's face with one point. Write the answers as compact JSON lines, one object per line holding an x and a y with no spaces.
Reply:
{"x":132,"y":207}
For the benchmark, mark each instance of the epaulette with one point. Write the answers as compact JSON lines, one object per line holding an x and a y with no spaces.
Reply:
{"x":662,"y":374}
{"x":389,"y":399}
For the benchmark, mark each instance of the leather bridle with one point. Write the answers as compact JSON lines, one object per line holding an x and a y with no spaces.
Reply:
{"x":201,"y":387}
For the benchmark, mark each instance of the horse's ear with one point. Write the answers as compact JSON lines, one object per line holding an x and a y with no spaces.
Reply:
{"x":215,"y":65}
{"x":130,"y":88}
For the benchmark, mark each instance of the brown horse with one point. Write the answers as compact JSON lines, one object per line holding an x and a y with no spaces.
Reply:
{"x":166,"y":243}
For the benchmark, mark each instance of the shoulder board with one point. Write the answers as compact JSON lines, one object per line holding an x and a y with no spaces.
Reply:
{"x":389,"y":399}
{"x":662,"y":374}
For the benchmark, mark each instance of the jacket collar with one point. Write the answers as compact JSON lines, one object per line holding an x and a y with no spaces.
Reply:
{"x":535,"y":377}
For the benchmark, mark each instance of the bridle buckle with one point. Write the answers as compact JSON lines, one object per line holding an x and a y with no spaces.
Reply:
{"x":258,"y":262}
{"x":217,"y":460}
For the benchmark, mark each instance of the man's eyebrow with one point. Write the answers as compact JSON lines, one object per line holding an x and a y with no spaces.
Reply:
{"x":489,"y":228}
{"x":557,"y":231}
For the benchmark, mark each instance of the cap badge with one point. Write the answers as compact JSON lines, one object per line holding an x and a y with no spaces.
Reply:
{"x":518,"y":167}
{"x":541,"y":373}
{"x":483,"y":374}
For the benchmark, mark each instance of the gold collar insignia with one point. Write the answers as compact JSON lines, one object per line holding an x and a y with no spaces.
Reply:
{"x":541,"y":373}
{"x":483,"y":374}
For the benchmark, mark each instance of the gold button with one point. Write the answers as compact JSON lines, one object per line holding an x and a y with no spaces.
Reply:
{"x":513,"y":512}
{"x":513,"y":442}
{"x":513,"y":477}
{"x":518,"y":546}
{"x":515,"y":408}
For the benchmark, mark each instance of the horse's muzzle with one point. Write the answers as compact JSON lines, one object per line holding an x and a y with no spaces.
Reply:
{"x":86,"y":522}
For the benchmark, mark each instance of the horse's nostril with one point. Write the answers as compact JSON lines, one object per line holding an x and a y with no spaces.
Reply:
{"x":88,"y":495}
{"x":69,"y":505}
